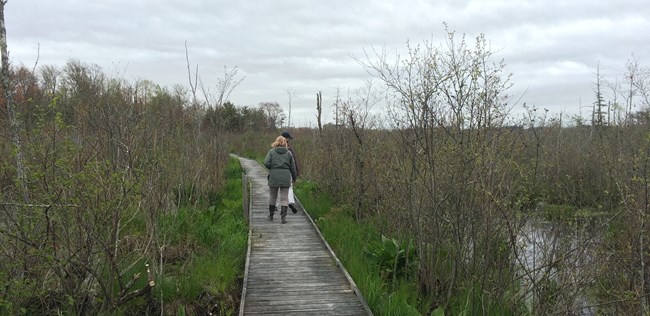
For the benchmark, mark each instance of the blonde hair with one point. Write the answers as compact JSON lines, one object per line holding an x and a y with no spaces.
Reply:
{"x":280,"y":142}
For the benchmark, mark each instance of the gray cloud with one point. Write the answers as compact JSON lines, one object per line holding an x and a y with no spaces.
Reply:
{"x":552,"y":47}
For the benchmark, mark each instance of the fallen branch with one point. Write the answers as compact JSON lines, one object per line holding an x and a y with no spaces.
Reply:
{"x":146,"y":290}
{"x":39,"y":205}
{"x":126,"y":296}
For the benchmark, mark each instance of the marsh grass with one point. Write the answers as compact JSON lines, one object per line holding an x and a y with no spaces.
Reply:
{"x":206,"y":253}
{"x":348,"y":238}
{"x":386,"y":294}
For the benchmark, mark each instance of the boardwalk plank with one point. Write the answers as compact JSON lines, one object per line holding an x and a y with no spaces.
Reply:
{"x":290,"y":270}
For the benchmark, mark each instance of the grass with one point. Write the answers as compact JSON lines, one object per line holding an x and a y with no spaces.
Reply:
{"x":568,"y":212}
{"x":384,"y":294}
{"x":348,"y":238}
{"x":206,"y":252}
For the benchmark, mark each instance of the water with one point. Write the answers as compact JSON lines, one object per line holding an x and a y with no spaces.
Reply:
{"x":558,"y":258}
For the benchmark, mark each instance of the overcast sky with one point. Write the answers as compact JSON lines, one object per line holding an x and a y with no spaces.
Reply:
{"x":552,"y":47}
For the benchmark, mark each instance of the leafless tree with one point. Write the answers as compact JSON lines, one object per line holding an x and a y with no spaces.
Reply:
{"x":358,"y":120}
{"x":8,"y":88}
{"x":274,"y":113}
{"x":193,"y":83}
{"x":450,"y":109}
{"x":290,"y":95}
{"x":227,"y":83}
{"x":337,"y":104}
{"x":599,"y":107}
{"x":319,"y":110}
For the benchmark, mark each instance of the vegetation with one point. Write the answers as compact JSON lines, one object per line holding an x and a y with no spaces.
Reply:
{"x":372,"y":269}
{"x":206,"y":252}
{"x":509,"y":215}
{"x":124,"y":205}
{"x":119,"y":197}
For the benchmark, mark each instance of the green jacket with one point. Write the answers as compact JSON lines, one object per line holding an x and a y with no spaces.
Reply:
{"x":282,"y":167}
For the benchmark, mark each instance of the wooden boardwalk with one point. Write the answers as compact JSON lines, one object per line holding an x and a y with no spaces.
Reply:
{"x":290,"y":269}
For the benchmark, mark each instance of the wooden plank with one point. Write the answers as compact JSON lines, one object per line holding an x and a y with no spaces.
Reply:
{"x":303,"y":290}
{"x":323,"y":307}
{"x":245,"y":198}
{"x":306,"y":313}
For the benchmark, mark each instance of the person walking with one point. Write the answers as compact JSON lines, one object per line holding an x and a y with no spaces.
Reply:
{"x":292,"y":199}
{"x":282,"y":172}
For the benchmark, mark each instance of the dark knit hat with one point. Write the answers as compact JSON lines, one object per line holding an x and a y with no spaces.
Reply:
{"x":286,"y":135}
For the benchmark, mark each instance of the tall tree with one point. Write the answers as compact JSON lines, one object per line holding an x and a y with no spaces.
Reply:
{"x":289,"y":93}
{"x":8,"y":89}
{"x":598,"y":115}
{"x":274,"y":113}
{"x":319,"y":110}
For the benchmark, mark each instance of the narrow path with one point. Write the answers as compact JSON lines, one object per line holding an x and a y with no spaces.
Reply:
{"x":290,"y":269}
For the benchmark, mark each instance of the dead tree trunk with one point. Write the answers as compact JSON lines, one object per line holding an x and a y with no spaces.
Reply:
{"x":7,"y":87}
{"x":319,"y":109}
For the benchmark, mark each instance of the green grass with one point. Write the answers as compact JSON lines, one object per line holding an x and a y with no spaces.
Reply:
{"x":567,"y":212}
{"x":384,"y":294}
{"x":211,"y":242}
{"x":348,"y":238}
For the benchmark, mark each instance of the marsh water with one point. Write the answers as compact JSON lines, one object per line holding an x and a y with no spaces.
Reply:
{"x":560,"y":258}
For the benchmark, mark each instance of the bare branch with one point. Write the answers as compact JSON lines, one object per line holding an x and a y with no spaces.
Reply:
{"x":189,"y":75}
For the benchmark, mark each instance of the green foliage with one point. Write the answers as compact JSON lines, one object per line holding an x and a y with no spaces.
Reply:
{"x":554,"y":212}
{"x":185,"y":195}
{"x":212,"y":243}
{"x":438,"y":312}
{"x":253,"y":144}
{"x":393,"y":257}
{"x":348,"y":238}
{"x":122,"y":175}
{"x":566,"y":212}
{"x":313,"y":199}
{"x":233,"y":173}
{"x":228,"y":117}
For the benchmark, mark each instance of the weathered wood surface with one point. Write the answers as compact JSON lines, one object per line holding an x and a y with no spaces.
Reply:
{"x":290,"y":269}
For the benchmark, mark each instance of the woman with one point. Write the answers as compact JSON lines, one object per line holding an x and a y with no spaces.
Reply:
{"x":292,"y":199}
{"x":282,"y":172}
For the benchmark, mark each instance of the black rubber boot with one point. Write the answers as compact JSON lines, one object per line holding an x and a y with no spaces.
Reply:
{"x":283,"y":214}
{"x":293,"y":208}
{"x":271,"y":211}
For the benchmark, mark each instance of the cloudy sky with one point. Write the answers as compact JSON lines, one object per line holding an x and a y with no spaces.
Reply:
{"x":552,"y":47}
